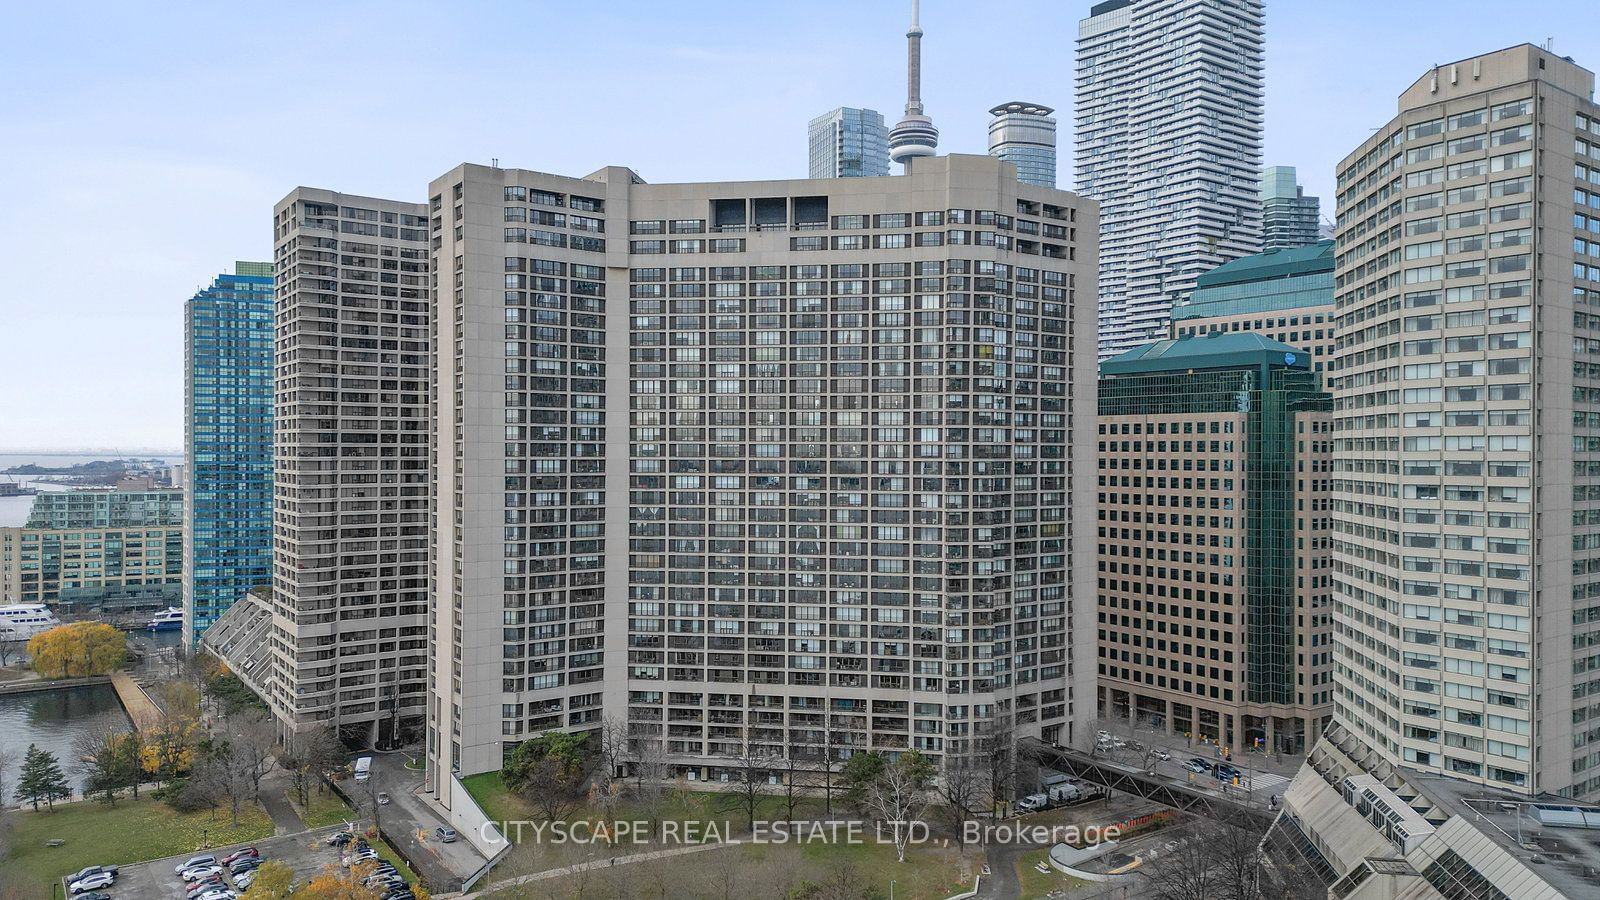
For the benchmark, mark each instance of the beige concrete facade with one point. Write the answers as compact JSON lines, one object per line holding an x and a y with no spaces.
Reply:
{"x":776,"y":467}
{"x":351,"y":486}
{"x":1467,"y":427}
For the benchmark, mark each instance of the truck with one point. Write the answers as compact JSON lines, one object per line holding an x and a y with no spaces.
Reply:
{"x":363,"y":768}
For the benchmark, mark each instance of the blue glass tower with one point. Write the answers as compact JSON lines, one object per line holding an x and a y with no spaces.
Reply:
{"x":228,"y":400}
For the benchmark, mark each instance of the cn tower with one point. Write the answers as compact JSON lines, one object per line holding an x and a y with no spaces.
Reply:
{"x":914,"y":135}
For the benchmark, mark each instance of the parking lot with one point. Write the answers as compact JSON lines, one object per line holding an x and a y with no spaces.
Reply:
{"x":304,"y":852}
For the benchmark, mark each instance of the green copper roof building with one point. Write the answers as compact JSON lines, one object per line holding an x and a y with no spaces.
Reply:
{"x":1213,"y":478}
{"x":1286,"y":295}
{"x":1278,"y":279}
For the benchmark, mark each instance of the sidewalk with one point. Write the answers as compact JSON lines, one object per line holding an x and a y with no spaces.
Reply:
{"x":596,"y":864}
{"x":275,"y":800}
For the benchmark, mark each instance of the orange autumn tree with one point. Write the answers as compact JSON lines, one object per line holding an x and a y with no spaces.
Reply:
{"x":335,"y":883}
{"x":78,"y":650}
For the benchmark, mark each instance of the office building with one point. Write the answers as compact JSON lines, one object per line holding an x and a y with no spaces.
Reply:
{"x":96,"y":551}
{"x":1024,"y":134}
{"x":1289,"y":218}
{"x":914,"y":135}
{"x":847,"y":143}
{"x":1286,"y":295}
{"x":1168,"y":139}
{"x":776,"y":467}
{"x":351,"y":487}
{"x":227,"y":474}
{"x":1213,"y":555}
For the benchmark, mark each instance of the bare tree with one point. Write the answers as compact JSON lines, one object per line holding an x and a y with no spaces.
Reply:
{"x":795,"y":775}
{"x":898,"y":795}
{"x":253,"y":744}
{"x":11,"y":649}
{"x":1216,"y":860}
{"x":823,"y":776}
{"x":8,"y":761}
{"x":748,"y":782}
{"x":963,"y":786}
{"x":647,"y":761}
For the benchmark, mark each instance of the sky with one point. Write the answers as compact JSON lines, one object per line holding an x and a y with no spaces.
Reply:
{"x":142,"y":145}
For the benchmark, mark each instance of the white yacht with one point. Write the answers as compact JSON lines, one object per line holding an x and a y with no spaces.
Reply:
{"x":169,"y":619}
{"x":21,"y":621}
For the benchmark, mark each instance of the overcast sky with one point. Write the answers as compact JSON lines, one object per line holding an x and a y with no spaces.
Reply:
{"x":142,"y":145}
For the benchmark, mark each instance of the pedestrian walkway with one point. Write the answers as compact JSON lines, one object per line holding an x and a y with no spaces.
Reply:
{"x":275,"y":800}
{"x":142,"y":711}
{"x":565,"y":871}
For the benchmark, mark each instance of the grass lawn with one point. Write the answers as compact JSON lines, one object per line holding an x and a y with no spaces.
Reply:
{"x":133,"y":831}
{"x":325,"y":809}
{"x":928,"y":871}
{"x":1037,"y":884}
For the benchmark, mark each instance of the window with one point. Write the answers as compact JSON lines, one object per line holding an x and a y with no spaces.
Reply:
{"x":1512,"y":110}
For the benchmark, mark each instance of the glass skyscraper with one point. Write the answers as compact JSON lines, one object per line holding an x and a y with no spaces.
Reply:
{"x":848,"y":142}
{"x":227,"y":485}
{"x":1024,"y":134}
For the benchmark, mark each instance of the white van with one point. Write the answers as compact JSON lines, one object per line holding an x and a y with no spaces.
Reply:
{"x":1064,"y":793}
{"x":1033,"y":802}
{"x":363,"y":768}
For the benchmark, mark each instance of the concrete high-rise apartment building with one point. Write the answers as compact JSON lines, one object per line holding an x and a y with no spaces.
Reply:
{"x":780,"y":468}
{"x":1213,"y":561}
{"x":1286,"y":295}
{"x":1464,"y":609}
{"x":847,"y":143}
{"x":351,"y":496}
{"x":1024,"y":134}
{"x":1466,"y":512}
{"x":1168,"y":139}
{"x":228,"y":336}
{"x":1289,"y":218}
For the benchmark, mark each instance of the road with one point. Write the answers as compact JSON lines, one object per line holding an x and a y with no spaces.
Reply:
{"x":409,"y":822}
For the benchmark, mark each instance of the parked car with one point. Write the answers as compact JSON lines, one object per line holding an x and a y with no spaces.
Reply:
{"x":399,"y":893}
{"x":383,"y":798}
{"x":223,"y":894}
{"x":241,"y":853}
{"x":91,"y":882}
{"x":339,"y":838}
{"x":1033,"y":802}
{"x":95,"y":895}
{"x":243,"y":866}
{"x":86,"y":871}
{"x":1196,"y":764}
{"x":194,"y":862}
{"x":242,"y":882}
{"x":359,"y":857}
{"x":200,"y":872}
{"x":445,"y":834}
{"x":205,"y":884}
{"x":1102,"y":735}
{"x":383,"y":868}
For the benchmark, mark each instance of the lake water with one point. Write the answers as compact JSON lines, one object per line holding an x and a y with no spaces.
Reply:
{"x":14,"y":510}
{"x":54,"y":719}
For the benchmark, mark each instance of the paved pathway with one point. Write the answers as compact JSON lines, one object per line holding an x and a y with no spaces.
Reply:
{"x":275,"y":799}
{"x":596,"y":864}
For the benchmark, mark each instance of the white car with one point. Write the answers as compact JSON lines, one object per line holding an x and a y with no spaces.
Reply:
{"x":1102,"y":735}
{"x":218,"y":895}
{"x":1161,"y":754}
{"x":243,"y":881}
{"x":199,"y":872}
{"x":357,"y":858}
{"x":91,"y":882}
